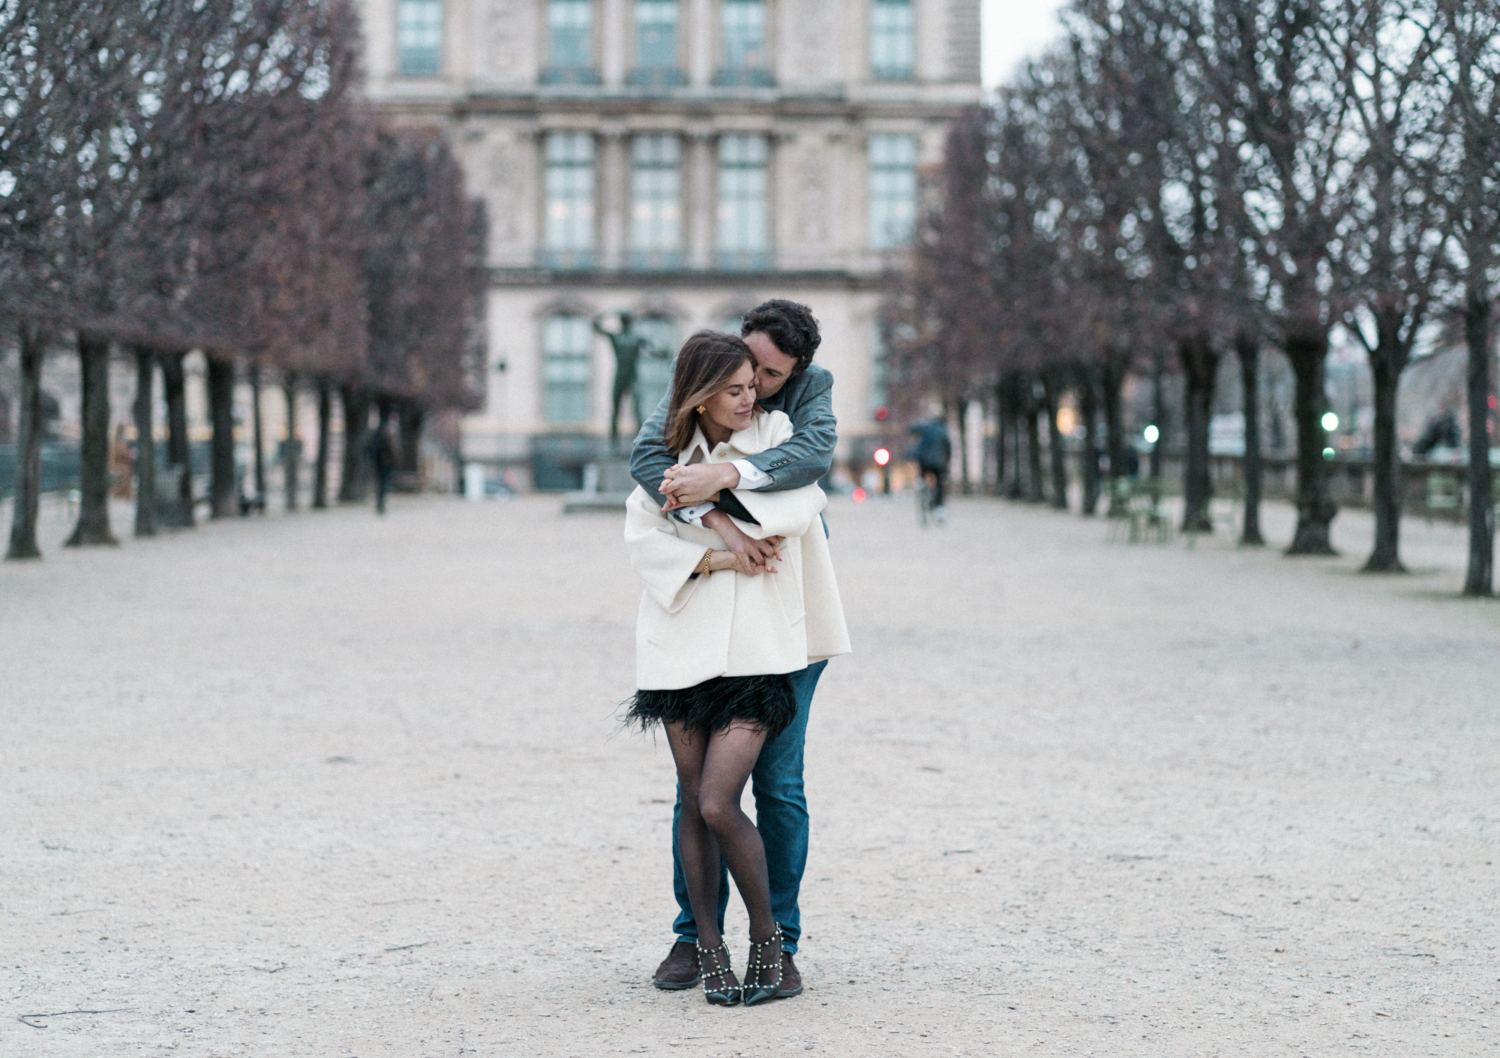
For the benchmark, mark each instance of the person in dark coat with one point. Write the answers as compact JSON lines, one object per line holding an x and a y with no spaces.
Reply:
{"x":933,"y":452}
{"x":382,"y":451}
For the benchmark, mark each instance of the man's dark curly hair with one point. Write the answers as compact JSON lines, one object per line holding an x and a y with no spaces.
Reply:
{"x":789,"y":325}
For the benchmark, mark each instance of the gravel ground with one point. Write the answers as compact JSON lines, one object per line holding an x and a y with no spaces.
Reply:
{"x":330,"y":784}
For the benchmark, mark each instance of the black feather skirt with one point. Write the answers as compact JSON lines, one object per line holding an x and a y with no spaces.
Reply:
{"x":765,"y":702}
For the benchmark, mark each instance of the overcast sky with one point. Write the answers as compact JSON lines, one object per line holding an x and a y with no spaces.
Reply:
{"x":1012,"y":30}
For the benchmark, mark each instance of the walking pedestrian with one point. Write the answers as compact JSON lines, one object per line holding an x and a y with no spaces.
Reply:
{"x":382,"y":451}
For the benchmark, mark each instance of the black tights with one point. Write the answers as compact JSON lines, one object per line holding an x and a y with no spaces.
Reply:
{"x":712,"y":770}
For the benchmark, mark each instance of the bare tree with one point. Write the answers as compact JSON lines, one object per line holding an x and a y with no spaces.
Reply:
{"x":424,"y":283}
{"x":1384,"y":53}
{"x":145,"y":435}
{"x":23,"y":543}
{"x":1469,"y":63}
{"x":1264,"y":66}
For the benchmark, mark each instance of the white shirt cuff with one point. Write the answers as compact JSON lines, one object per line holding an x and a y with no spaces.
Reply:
{"x":751,"y":476}
{"x":693,"y":515}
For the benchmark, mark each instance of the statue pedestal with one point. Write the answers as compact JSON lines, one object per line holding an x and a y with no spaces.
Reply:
{"x":606,"y":486}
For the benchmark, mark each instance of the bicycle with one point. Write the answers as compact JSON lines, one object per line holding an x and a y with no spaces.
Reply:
{"x":927,"y":508}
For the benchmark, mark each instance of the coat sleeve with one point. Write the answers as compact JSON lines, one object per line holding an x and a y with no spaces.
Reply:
{"x":661,"y":558}
{"x":649,"y":456}
{"x":788,"y":513}
{"x":807,"y":455}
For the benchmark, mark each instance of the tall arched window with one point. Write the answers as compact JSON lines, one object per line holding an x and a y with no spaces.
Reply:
{"x":893,"y":45}
{"x":419,"y":37}
{"x":742,"y":33}
{"x":568,"y":229}
{"x":570,"y":43}
{"x":566,"y":371}
{"x":744,"y":226}
{"x":893,"y":190}
{"x":658,"y":59}
{"x":655,"y":203}
{"x":655,"y":374}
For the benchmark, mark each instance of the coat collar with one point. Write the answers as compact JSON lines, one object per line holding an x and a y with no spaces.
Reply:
{"x":746,"y":442}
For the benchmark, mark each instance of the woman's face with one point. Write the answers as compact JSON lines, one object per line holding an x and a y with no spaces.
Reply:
{"x":732,"y":406}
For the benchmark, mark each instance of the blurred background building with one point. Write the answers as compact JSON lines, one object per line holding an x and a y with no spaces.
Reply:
{"x":680,"y":159}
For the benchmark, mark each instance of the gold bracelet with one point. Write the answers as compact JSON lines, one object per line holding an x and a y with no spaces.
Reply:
{"x":706,"y":556}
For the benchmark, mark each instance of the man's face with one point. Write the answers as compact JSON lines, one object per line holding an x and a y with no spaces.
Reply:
{"x":772,"y":366}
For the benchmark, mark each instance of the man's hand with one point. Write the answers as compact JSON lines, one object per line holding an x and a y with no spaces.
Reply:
{"x":699,"y":483}
{"x":754,"y":556}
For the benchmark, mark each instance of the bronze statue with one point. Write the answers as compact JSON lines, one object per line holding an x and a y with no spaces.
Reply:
{"x":629,"y":346}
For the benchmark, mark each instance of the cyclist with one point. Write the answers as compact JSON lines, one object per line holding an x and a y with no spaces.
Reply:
{"x":932,"y":453}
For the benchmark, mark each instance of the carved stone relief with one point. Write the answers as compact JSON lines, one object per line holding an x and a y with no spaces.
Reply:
{"x":811,"y":42}
{"x":811,"y":191}
{"x":508,"y":190}
{"x":508,"y":43}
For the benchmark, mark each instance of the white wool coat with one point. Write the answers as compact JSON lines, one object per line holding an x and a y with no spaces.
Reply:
{"x":727,"y":624}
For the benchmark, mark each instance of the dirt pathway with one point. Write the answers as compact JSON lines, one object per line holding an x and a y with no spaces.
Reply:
{"x":329,"y":784}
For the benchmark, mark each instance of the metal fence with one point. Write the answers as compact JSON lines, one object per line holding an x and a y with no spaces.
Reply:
{"x":60,"y":466}
{"x":61,"y":461}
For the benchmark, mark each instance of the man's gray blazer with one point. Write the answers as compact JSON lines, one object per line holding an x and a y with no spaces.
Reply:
{"x":807,"y":399}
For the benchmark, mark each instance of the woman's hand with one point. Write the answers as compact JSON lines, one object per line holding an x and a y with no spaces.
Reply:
{"x":755,"y":556}
{"x":724,"y":560}
{"x":728,"y":560}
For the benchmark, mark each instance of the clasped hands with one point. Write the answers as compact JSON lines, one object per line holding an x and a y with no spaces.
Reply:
{"x":688,"y":486}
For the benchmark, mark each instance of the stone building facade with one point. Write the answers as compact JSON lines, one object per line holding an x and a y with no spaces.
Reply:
{"x":680,"y":159}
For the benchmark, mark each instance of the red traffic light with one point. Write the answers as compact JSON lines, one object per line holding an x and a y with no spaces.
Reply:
{"x":882,"y":456}
{"x":881,"y":413}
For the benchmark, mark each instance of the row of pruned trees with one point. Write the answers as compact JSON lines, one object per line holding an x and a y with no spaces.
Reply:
{"x":1184,"y":180}
{"x":201,"y":174}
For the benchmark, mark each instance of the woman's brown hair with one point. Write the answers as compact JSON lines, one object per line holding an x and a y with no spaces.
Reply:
{"x":706,"y":363}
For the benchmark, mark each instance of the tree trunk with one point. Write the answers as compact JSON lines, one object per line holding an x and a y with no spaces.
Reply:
{"x":1307,"y":350}
{"x":1053,"y":390}
{"x":291,"y":449}
{"x":28,"y":448}
{"x":1114,"y":433}
{"x":1016,"y":489}
{"x":1002,"y":424}
{"x":260,"y":448}
{"x":354,"y":482}
{"x":1158,"y":413}
{"x":960,"y":410}
{"x":1018,"y":455}
{"x":93,"y":506}
{"x":325,"y":417}
{"x":179,"y":445}
{"x":1200,"y":364}
{"x":221,"y":412}
{"x":1480,"y":577}
{"x":410,"y":424}
{"x":145,"y":442}
{"x":1088,"y":406}
{"x":1247,"y":346}
{"x":1033,"y":446}
{"x":1386,"y":363}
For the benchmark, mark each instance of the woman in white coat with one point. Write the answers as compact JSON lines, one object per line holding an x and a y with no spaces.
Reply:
{"x":715,"y":643}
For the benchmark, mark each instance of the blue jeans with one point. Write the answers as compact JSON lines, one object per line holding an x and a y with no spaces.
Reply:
{"x":781,"y":817}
